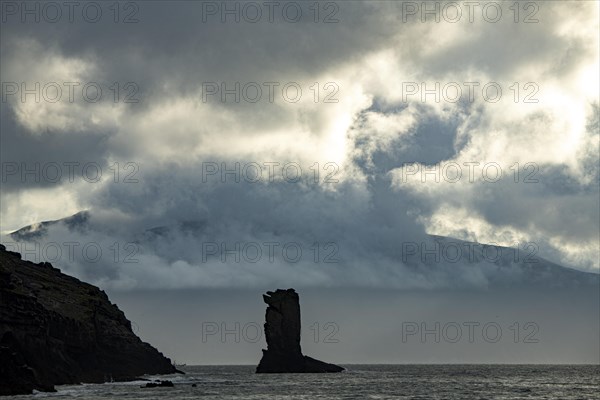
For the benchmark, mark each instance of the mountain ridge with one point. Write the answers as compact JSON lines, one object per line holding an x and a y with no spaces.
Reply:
{"x":513,"y":266}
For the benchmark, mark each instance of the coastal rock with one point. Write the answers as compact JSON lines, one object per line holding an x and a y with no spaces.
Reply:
{"x":282,"y":331}
{"x":158,"y":383}
{"x":55,"y":329}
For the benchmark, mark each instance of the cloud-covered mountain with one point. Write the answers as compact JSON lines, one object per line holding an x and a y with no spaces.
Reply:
{"x":379,"y":139}
{"x":196,"y":254}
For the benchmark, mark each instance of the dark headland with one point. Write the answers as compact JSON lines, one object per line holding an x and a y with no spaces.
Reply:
{"x":282,"y":330}
{"x":55,"y":329}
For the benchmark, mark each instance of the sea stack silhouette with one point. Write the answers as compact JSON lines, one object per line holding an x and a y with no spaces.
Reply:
{"x":282,"y":330}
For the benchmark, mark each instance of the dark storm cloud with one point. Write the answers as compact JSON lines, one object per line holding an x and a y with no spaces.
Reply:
{"x":185,"y":51}
{"x":22,"y":153}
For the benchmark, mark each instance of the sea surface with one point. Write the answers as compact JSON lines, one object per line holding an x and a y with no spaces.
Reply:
{"x":359,"y":382}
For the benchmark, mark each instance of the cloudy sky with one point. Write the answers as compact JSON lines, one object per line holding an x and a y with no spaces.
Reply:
{"x":354,"y":127}
{"x":240,"y":147}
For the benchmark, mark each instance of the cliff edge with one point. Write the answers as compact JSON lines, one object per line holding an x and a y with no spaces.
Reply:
{"x":55,"y":329}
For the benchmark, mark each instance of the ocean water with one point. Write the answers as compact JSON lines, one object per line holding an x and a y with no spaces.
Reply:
{"x":359,"y":382}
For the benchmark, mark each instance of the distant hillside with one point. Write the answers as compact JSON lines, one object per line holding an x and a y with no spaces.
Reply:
{"x":39,"y":230}
{"x":432,"y":259}
{"x":501,"y":266}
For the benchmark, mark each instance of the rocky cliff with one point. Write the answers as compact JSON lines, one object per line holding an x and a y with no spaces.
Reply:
{"x":282,"y":330}
{"x":55,"y":329}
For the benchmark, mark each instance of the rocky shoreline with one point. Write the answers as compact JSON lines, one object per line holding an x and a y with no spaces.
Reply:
{"x":55,"y":329}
